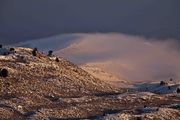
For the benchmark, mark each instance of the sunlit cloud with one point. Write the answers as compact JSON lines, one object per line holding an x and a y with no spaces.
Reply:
{"x":133,"y":57}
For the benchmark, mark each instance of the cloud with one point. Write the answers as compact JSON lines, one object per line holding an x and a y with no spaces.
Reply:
{"x":51,"y":43}
{"x":132,"y":57}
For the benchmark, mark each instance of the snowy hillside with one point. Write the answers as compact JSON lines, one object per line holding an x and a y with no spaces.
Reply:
{"x":159,"y":88}
{"x":35,"y":86}
{"x":103,"y":75}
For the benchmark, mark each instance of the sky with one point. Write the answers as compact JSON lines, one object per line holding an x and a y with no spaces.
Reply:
{"x":135,"y":39}
{"x":22,"y":20}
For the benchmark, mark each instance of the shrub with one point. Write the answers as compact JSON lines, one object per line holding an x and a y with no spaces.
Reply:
{"x":50,"y":52}
{"x":34,"y":52}
{"x":4,"y":73}
{"x":138,"y":118}
{"x":178,"y":90}
{"x":12,"y":49}
{"x":162,"y":83}
{"x":57,"y":59}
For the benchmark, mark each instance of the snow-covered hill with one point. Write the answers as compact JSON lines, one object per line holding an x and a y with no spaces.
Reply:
{"x":167,"y":88}
{"x":41,"y":87}
{"x":104,"y":75}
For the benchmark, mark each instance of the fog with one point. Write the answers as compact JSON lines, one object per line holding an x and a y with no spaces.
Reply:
{"x":133,"y":57}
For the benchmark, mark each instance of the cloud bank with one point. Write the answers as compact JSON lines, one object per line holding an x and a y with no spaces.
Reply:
{"x":131,"y":57}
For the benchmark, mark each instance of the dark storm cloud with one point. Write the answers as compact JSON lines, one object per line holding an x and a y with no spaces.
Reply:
{"x":31,"y":19}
